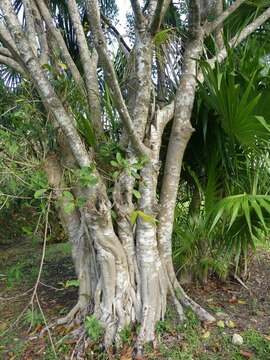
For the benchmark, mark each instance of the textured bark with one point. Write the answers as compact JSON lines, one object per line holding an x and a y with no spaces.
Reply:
{"x":125,"y":269}
{"x":219,"y":29}
{"x":180,"y":135}
{"x":89,"y":61}
{"x":60,"y":42}
{"x":82,"y":249}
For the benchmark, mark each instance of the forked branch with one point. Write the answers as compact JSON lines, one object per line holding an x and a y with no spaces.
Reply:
{"x":235,"y":41}
{"x":101,"y":46}
{"x":161,"y":8}
{"x":210,"y":27}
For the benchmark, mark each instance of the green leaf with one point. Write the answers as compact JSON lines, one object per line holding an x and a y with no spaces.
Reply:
{"x":81,"y":201}
{"x":162,"y":36}
{"x":68,"y":195}
{"x":63,"y":66}
{"x":39,"y":193}
{"x":69,"y":207}
{"x":235,"y":211}
{"x":136,"y":194}
{"x":133,"y":217}
{"x":246,"y":209}
{"x":70,"y":283}
{"x":217,"y":218}
{"x":258,"y":211}
{"x":118,"y":157}
{"x":85,"y":176}
{"x":147,"y":217}
{"x":114,"y":163}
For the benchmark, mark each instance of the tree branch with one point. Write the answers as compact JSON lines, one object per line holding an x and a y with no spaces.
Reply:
{"x":30,"y":25}
{"x":60,"y":41}
{"x":116,"y":33}
{"x":42,"y":35}
{"x":101,"y":46}
{"x":46,"y":91}
{"x":161,"y":8}
{"x":5,"y":52}
{"x":137,"y":11}
{"x":89,"y":64}
{"x":210,"y":27}
{"x":219,"y":29}
{"x":8,"y":42}
{"x":5,"y":60}
{"x":165,"y":114}
{"x":249,"y":29}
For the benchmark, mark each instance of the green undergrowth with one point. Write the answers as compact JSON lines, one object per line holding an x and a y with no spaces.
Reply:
{"x":188,"y":341}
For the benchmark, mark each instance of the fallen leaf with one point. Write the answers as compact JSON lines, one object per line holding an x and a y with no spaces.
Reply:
{"x":127,"y":354}
{"x":206,"y":335}
{"x":246,"y":354}
{"x":230,"y":324}
{"x":233,"y":300}
{"x":242,"y":302}
{"x":220,"y":324}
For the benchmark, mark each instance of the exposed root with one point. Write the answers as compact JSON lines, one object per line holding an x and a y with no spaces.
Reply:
{"x":76,"y":313}
{"x":202,"y":314}
{"x":183,"y":298}
{"x":186,"y":301}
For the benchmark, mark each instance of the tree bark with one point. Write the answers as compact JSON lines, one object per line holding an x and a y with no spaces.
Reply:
{"x":125,"y":269}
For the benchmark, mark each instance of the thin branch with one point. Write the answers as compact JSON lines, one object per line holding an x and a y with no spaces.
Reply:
{"x":42,"y":35}
{"x":166,"y":114}
{"x":210,"y":27}
{"x":12,"y":64}
{"x":89,"y":62}
{"x":60,"y":41}
{"x":34,"y":294}
{"x":249,"y":29}
{"x":5,"y":52}
{"x":46,"y":326}
{"x":101,"y":46}
{"x":44,"y":87}
{"x":8,"y":42}
{"x":218,"y":33}
{"x":137,"y":11}
{"x":30,"y":25}
{"x":116,"y":33}
{"x":16,"y":296}
{"x":161,"y":8}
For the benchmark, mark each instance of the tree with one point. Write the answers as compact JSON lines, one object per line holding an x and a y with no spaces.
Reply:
{"x":120,"y":227}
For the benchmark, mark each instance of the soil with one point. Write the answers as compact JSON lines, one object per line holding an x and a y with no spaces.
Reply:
{"x":248,"y":307}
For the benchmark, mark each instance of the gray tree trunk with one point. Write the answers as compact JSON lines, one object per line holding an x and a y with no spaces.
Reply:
{"x":125,"y":269}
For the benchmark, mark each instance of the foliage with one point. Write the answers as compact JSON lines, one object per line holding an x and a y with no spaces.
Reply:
{"x":126,"y":335}
{"x":93,"y":328}
{"x":233,"y":181}
{"x":33,"y":318}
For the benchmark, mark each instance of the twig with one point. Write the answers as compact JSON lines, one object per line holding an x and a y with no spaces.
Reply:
{"x":52,"y":287}
{"x":17,"y":296}
{"x":43,"y":249}
{"x":46,"y":325}
{"x":241,"y":282}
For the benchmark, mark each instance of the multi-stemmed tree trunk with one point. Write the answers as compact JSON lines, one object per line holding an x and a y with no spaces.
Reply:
{"x":123,"y":263}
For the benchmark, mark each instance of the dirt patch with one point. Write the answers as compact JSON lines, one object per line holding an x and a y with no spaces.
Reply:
{"x":249,"y":308}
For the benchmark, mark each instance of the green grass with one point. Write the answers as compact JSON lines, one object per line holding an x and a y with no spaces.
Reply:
{"x":217,"y":347}
{"x":185,"y":341}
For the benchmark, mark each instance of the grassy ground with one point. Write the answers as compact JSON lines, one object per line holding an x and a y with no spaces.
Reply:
{"x":237,"y":310}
